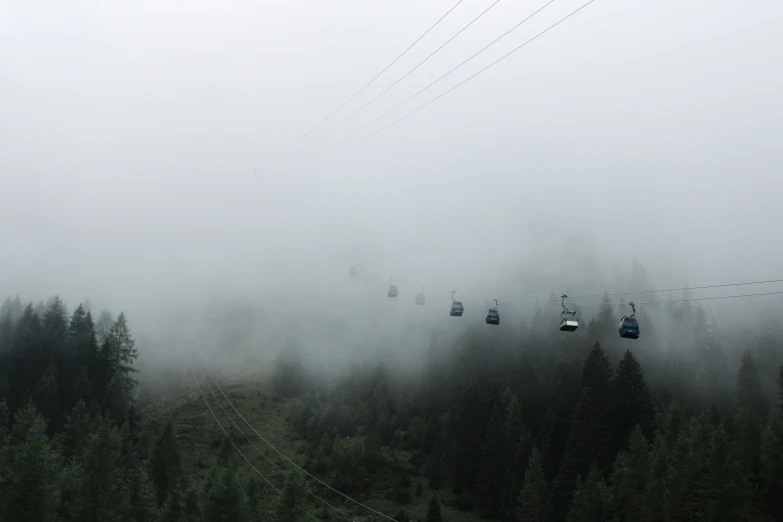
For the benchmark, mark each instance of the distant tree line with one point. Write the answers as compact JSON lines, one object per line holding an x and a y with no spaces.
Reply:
{"x":92,"y":463}
{"x":545,"y":430}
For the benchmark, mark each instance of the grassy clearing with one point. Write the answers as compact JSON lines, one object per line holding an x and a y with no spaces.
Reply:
{"x":199,"y":437}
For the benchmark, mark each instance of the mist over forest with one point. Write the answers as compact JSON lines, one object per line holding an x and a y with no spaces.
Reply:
{"x":203,"y":207}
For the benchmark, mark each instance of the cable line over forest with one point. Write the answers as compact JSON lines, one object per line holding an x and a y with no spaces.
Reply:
{"x":380,"y":73}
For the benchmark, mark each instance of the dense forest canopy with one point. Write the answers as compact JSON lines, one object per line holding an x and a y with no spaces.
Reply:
{"x":515,"y":423}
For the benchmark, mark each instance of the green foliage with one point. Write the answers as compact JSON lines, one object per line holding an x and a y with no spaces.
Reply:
{"x":139,"y":496}
{"x":29,"y":468}
{"x":433,"y":509}
{"x":750,"y":392}
{"x":289,"y":504}
{"x":534,"y":496}
{"x":165,"y":465}
{"x":225,"y":498}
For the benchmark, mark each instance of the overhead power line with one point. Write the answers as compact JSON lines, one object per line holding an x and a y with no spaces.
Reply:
{"x":490,"y":44}
{"x":572,"y":13}
{"x":349,"y":517}
{"x":380,"y":73}
{"x":659,"y":290}
{"x":360,"y":109}
{"x":277,"y":490}
{"x":294,"y":463}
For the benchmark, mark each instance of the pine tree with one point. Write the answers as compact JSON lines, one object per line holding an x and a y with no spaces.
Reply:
{"x":586,"y":445}
{"x":780,"y":390}
{"x":72,"y":439}
{"x":750,"y":393}
{"x":632,"y":399}
{"x":727,"y":490}
{"x":225,"y":499}
{"x":657,"y":487}
{"x":590,"y":499}
{"x":165,"y":462}
{"x":495,"y":459}
{"x":103,"y":325}
{"x":772,"y":469}
{"x":46,"y":396}
{"x":102,"y":476}
{"x":172,"y":511}
{"x":597,"y":372}
{"x":534,"y":495}
{"x":629,"y":479}
{"x":139,"y":493}
{"x":433,"y":509}
{"x":28,"y":482}
{"x":5,"y":422}
{"x":54,"y":328}
{"x":288,"y":504}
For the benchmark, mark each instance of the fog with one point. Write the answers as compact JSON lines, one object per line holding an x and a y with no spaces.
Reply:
{"x":148,"y":160}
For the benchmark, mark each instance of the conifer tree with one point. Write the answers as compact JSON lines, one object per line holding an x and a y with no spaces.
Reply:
{"x":288,"y":506}
{"x":5,"y":422}
{"x":29,"y":488}
{"x":590,"y":499}
{"x":165,"y":462}
{"x":629,"y":479}
{"x":225,"y":499}
{"x":140,"y":497}
{"x":750,"y":393}
{"x":632,"y":399}
{"x":72,"y":439}
{"x":46,"y":396}
{"x":103,"y":325}
{"x":172,"y":511}
{"x":102,"y":476}
{"x":533,"y":498}
{"x":433,"y":509}
{"x":493,"y":462}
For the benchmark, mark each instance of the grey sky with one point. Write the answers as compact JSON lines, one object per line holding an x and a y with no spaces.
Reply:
{"x":142,"y":145}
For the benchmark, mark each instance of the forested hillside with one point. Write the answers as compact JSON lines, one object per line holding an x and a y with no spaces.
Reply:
{"x":527,"y":426}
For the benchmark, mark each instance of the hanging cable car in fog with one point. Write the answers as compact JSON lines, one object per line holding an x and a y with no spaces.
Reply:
{"x":392,"y":289}
{"x":568,"y":322}
{"x":420,"y":297}
{"x":354,"y":272}
{"x":456,"y":307}
{"x":629,"y":326}
{"x":493,"y":317}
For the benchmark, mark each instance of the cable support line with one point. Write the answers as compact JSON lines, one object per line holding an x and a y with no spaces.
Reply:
{"x":685,"y":288}
{"x":675,"y":300}
{"x":493,"y":42}
{"x":229,"y":438}
{"x":294,"y":463}
{"x":278,"y":468}
{"x":203,"y":396}
{"x":380,"y":73}
{"x":572,"y":13}
{"x":360,"y":109}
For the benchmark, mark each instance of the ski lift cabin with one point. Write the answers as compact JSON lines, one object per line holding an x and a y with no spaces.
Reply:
{"x":568,"y":321}
{"x":420,"y":298}
{"x":629,"y":326}
{"x":392,"y":289}
{"x":456,"y":307}
{"x":493,"y":316}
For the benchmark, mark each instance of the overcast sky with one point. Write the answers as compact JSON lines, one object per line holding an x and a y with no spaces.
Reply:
{"x":145,"y":147}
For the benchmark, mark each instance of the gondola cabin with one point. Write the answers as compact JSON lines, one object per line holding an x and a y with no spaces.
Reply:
{"x":456,"y":309}
{"x":568,"y":324}
{"x":420,"y":298}
{"x":629,"y":328}
{"x":493,"y":317}
{"x":354,"y":272}
{"x":392,"y":291}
